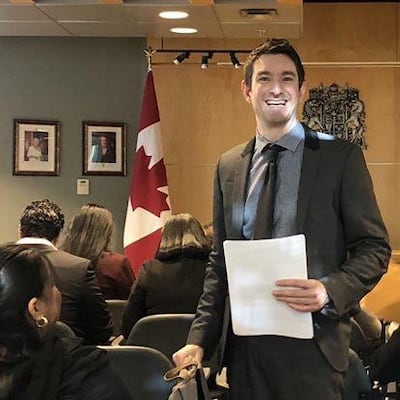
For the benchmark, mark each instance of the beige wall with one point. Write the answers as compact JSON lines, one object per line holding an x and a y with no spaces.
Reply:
{"x":203,"y":113}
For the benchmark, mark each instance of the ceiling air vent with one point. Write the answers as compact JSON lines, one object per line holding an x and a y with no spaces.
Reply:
{"x":258,"y":12}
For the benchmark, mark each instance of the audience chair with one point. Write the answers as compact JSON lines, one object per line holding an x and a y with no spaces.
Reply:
{"x":168,"y":333}
{"x":116,"y":307}
{"x":164,"y":332}
{"x":359,"y":341}
{"x":357,"y":384}
{"x":142,"y":369}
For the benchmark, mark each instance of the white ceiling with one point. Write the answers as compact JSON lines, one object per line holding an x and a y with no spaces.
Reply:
{"x":139,"y":18}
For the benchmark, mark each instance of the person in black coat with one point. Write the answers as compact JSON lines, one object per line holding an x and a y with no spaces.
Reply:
{"x":36,"y":363}
{"x":173,"y":281}
{"x":83,"y":306}
{"x":384,"y":363}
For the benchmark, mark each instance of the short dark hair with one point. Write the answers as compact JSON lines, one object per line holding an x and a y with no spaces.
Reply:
{"x":43,"y":219}
{"x":273,"y":46}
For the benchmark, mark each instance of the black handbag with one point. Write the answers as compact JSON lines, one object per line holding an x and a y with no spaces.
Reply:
{"x":191,"y":382}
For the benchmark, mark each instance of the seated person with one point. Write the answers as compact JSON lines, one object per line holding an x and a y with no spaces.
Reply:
{"x":35,"y":362}
{"x":384,"y":361}
{"x":89,"y":236}
{"x":83,"y":306}
{"x":173,"y":281}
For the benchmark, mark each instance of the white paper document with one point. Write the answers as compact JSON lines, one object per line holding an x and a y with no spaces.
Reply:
{"x":253,"y":267}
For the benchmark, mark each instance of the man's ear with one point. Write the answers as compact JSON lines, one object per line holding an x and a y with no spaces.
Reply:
{"x":55,"y":240}
{"x":245,"y":91}
{"x":36,"y":308}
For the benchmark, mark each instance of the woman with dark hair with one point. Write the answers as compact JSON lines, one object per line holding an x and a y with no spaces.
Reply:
{"x":173,"y":281}
{"x":89,"y":236}
{"x":35,"y":362}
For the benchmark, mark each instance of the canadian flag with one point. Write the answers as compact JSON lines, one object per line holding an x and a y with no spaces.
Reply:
{"x":148,"y":205}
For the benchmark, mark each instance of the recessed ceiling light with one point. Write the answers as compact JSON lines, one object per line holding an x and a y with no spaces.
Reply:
{"x":173,"y":14}
{"x":183,"y":30}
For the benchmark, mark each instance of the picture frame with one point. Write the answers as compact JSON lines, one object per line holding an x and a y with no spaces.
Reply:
{"x":36,"y":148}
{"x":104,"y":151}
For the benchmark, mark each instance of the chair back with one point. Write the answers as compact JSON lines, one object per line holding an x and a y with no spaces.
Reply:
{"x":116,"y":308}
{"x":142,"y":369}
{"x":164,"y":332}
{"x":358,"y":340}
{"x":357,"y":384}
{"x":168,"y":333}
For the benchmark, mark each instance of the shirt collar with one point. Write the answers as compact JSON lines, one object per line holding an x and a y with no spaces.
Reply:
{"x":290,"y":141}
{"x":34,"y":240}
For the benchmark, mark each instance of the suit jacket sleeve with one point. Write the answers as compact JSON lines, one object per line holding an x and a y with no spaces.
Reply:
{"x":95,"y":312}
{"x":365,"y":238}
{"x":207,"y":326}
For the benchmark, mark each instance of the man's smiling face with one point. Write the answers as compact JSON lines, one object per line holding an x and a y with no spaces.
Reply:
{"x":274,"y":92}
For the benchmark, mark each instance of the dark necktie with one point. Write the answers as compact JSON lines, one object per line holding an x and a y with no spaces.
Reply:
{"x":263,"y":222}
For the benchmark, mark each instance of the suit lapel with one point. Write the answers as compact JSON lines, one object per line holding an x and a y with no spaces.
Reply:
{"x":239,"y":189}
{"x":309,"y":169}
{"x":310,"y":164}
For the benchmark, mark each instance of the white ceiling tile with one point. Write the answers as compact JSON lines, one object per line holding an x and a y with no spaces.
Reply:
{"x":21,"y":12}
{"x":28,"y":28}
{"x":103,"y":29}
{"x":140,"y":18}
{"x":100,"y":12}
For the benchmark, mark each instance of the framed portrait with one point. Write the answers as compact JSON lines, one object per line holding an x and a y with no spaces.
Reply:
{"x":36,"y":148}
{"x":103,"y":148}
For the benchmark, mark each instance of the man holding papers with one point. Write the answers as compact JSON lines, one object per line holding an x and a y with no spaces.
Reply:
{"x":320,"y":187}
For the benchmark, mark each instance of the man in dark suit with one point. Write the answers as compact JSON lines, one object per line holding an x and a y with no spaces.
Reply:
{"x":83,"y":307}
{"x":322,"y":190}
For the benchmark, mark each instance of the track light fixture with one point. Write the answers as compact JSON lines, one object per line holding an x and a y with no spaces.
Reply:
{"x":207,"y":55}
{"x":181,"y":57}
{"x":204,"y":60}
{"x":234,"y":60}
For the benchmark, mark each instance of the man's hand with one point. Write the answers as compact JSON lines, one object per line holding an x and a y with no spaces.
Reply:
{"x":190,"y":352}
{"x":305,"y":295}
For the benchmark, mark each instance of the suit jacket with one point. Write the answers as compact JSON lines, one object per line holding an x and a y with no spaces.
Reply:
{"x":164,"y":287}
{"x":83,"y":306}
{"x":346,"y":240}
{"x":114,"y":275}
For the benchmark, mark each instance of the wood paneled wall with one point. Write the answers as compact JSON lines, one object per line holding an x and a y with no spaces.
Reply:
{"x":203,"y":113}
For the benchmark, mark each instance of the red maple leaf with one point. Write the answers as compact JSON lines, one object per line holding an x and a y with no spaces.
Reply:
{"x":146,"y":182}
